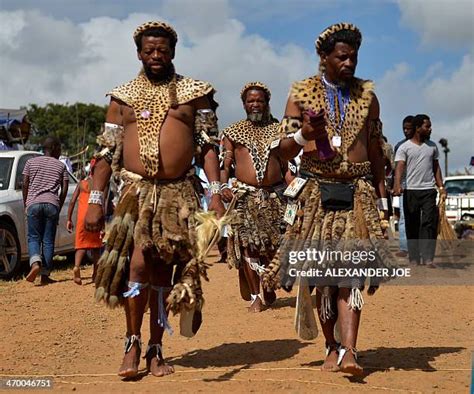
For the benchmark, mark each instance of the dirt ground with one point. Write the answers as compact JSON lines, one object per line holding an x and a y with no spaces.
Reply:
{"x":412,"y":339}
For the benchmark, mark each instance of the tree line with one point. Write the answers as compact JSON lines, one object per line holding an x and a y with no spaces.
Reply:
{"x":76,"y":125}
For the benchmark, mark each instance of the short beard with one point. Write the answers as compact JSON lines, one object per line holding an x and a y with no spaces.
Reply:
{"x":167,"y":73}
{"x":255,"y":117}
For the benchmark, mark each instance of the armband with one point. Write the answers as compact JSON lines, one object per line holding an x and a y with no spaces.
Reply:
{"x":382,"y":204}
{"x":96,"y":197}
{"x":214,"y":187}
{"x":299,"y":139}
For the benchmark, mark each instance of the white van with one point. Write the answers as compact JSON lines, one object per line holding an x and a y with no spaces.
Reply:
{"x":460,"y":200}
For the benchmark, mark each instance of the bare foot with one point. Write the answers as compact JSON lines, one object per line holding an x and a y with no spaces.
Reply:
{"x":269,"y":297}
{"x":35,"y":269}
{"x":160,"y":368}
{"x":129,"y":367}
{"x":77,"y":275}
{"x":330,"y":363}
{"x":256,"y":306}
{"x":349,"y":364}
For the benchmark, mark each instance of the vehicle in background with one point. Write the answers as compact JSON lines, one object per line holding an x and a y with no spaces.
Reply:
{"x":460,"y":198}
{"x":13,"y":228}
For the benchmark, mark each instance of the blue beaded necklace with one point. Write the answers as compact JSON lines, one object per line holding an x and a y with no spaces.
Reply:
{"x":335,"y":92}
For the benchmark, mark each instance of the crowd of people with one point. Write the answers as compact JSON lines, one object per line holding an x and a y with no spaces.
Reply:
{"x":161,"y":126}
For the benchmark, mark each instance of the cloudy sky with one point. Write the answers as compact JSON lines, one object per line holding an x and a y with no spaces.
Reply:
{"x":420,"y":53}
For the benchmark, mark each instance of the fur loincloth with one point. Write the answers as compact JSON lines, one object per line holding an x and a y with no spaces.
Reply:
{"x":151,"y":214}
{"x":316,"y":227}
{"x":150,"y":103}
{"x":256,"y":224}
{"x":257,"y":138}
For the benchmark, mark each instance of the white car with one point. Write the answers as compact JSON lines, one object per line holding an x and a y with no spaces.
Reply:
{"x":460,"y":199}
{"x":13,"y":228}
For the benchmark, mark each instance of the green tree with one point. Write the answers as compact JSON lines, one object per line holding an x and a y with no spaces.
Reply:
{"x":76,"y":125}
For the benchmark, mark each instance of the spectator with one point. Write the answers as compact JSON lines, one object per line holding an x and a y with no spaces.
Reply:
{"x":43,"y":178}
{"x":84,"y":240}
{"x":419,"y":156}
{"x":407,"y":125}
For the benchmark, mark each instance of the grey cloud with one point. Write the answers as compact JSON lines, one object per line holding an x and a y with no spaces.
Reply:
{"x":440,"y":22}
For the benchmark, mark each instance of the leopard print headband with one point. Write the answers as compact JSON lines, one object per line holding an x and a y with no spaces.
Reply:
{"x":334,"y":29}
{"x":154,"y":25}
{"x":255,"y":84}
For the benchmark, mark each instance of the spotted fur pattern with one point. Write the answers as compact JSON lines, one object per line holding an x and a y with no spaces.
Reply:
{"x":309,"y":94}
{"x":150,"y":103}
{"x":256,"y":138}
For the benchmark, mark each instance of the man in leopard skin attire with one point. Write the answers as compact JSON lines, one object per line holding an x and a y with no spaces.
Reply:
{"x":156,"y":124}
{"x":334,"y":118}
{"x":254,"y":234}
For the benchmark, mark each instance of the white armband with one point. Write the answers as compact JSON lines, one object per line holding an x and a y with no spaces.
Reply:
{"x":214,"y":187}
{"x":96,"y":197}
{"x":382,"y":204}
{"x":299,"y":139}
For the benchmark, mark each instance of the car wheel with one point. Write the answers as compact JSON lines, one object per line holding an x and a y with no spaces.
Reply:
{"x":10,"y":252}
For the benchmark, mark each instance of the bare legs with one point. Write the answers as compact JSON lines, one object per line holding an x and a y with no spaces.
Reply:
{"x":142,"y":268}
{"x":134,"y":310}
{"x":78,"y":257}
{"x":348,"y":320}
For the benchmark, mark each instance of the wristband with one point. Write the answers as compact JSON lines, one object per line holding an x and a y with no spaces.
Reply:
{"x":299,"y":139}
{"x":96,"y":197}
{"x":214,"y":187}
{"x":382,"y":204}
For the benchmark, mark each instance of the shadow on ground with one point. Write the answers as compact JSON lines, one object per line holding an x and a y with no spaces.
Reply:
{"x":242,"y":355}
{"x":404,"y":359}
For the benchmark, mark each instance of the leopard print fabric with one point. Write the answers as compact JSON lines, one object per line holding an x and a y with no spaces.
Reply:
{"x":257,"y":138}
{"x":309,"y":94}
{"x":150,"y":103}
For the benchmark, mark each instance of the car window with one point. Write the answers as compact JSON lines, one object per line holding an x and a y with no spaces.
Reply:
{"x":459,"y":186}
{"x":21,"y":166}
{"x":6,"y":165}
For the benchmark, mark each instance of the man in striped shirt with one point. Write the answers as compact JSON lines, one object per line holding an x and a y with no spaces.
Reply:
{"x":43,"y":178}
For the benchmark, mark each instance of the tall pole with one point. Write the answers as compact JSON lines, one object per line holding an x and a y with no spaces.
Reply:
{"x":444,"y":143}
{"x":446,"y":150}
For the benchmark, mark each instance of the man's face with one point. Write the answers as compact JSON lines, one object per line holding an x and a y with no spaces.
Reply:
{"x":341,"y":63}
{"x":255,"y":105}
{"x":425,"y":130}
{"x":156,"y":55}
{"x":408,"y":129}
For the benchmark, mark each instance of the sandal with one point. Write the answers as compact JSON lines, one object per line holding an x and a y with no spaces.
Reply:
{"x":353,"y":369}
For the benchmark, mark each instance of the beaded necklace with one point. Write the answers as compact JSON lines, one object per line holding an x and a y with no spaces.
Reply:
{"x":337,"y":99}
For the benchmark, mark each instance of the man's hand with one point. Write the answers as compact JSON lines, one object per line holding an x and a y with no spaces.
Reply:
{"x":397,"y":190}
{"x":217,"y":206}
{"x":94,"y":220}
{"x":69,"y":226}
{"x":314,"y":127}
{"x":227,"y":194}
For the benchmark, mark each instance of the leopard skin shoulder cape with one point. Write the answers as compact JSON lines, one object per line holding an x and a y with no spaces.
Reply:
{"x":150,"y":103}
